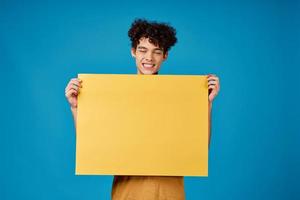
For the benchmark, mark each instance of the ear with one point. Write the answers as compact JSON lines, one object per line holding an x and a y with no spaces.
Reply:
{"x":133,"y":52}
{"x":166,"y":55}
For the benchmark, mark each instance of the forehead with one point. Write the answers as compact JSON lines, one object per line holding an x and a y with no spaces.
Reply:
{"x":144,"y":42}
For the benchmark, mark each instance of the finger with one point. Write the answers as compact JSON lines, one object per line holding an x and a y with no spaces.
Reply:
{"x":71,"y":92}
{"x":76,"y":82}
{"x":213,"y":78}
{"x":76,"y":79}
{"x":71,"y":86}
{"x":74,"y":87}
{"x":212,"y":87}
{"x":216,"y":87}
{"x":212,"y":82}
{"x":72,"y":81}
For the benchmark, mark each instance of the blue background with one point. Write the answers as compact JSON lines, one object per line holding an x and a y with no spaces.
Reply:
{"x":253,"y":46}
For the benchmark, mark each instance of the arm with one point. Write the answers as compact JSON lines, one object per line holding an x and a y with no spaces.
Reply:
{"x":71,"y":93}
{"x":74,"y":113}
{"x":209,"y":122}
{"x":213,"y":87}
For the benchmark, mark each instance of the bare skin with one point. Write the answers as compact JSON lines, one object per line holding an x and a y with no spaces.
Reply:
{"x":148,"y":59}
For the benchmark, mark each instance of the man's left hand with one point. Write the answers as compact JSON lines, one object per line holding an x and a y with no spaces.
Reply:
{"x":213,"y":86}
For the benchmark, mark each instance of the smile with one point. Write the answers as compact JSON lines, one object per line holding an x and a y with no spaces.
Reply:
{"x":147,"y":66}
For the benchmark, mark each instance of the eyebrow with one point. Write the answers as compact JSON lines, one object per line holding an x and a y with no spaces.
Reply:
{"x":142,"y":47}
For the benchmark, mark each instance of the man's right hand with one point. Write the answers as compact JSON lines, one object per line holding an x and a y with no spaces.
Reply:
{"x":72,"y":91}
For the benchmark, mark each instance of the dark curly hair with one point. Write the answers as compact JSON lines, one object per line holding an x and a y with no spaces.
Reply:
{"x":159,"y":34}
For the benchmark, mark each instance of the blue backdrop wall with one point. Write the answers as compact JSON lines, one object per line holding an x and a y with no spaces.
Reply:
{"x":253,"y":46}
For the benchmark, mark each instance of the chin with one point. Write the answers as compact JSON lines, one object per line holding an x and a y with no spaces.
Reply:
{"x":148,"y":72}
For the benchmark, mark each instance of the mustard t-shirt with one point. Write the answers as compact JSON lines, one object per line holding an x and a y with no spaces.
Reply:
{"x":148,"y":188}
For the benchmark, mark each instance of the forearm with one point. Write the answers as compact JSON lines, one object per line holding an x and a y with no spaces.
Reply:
{"x":74,"y":113}
{"x":209,"y":121}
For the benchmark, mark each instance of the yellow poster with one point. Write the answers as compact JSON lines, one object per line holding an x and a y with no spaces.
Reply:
{"x":142,"y":125}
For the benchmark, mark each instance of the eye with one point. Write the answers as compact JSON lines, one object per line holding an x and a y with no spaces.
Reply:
{"x":142,"y":50}
{"x":158,"y":52}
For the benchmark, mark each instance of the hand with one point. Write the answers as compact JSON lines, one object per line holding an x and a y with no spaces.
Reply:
{"x":72,"y":91}
{"x":213,"y":86}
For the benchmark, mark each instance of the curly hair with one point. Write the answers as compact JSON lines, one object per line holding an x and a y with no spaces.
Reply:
{"x":159,"y":34}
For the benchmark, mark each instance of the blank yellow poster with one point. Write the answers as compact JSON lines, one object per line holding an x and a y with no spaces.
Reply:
{"x":142,"y":125}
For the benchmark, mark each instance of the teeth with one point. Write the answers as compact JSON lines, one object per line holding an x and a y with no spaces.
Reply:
{"x":148,"y":65}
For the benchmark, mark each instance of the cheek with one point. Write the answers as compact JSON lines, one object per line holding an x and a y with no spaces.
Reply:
{"x":138,"y":60}
{"x":159,"y":61}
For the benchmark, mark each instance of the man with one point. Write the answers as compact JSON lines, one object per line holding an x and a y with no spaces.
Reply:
{"x":150,"y":43}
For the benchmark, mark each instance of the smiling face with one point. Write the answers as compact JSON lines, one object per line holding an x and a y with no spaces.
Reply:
{"x":148,"y":57}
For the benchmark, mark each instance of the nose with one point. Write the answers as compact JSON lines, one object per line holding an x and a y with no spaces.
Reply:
{"x":148,"y":56}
